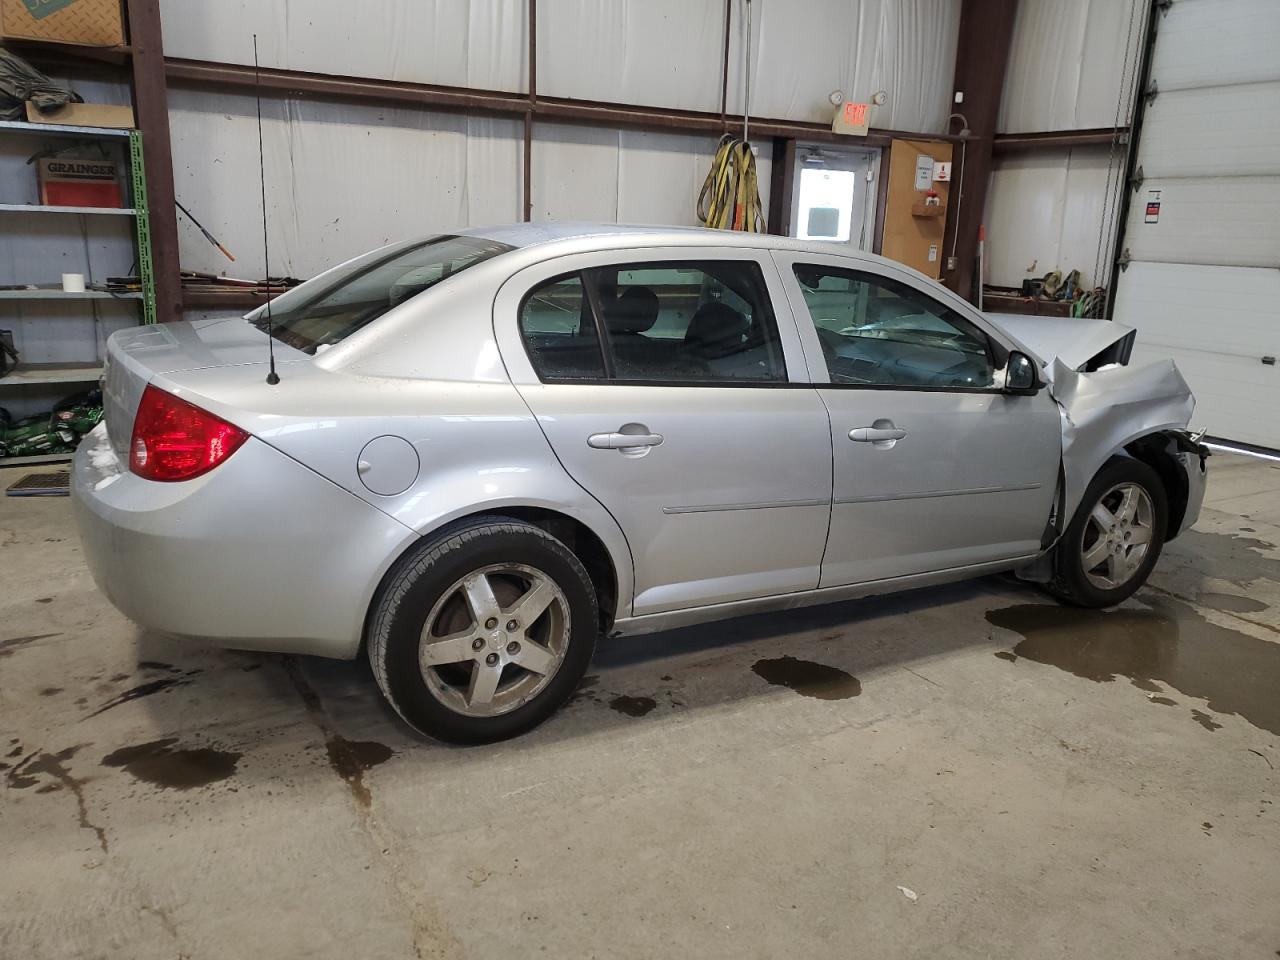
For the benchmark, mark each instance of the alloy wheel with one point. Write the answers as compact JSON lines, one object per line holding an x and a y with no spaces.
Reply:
{"x":494,"y":640}
{"x":1117,"y":536}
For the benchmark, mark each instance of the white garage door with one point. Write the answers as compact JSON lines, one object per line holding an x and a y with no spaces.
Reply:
{"x":1203,"y":235}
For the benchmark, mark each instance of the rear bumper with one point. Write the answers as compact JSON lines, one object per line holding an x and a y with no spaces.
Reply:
{"x":260,"y":553}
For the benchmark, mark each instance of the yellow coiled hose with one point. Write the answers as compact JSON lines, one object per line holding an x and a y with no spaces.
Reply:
{"x":730,"y":197}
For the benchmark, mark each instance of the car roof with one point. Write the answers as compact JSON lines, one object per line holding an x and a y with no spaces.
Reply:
{"x":528,"y":235}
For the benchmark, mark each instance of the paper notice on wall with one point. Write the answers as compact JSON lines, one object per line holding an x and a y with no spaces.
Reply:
{"x":933,"y":253}
{"x":924,"y":171}
{"x":942,"y":172}
{"x":1153,"y":207}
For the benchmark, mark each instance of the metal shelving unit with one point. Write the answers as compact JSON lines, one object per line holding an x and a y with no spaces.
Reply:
{"x":62,"y":130}
{"x":45,"y":375}
{"x":56,"y":293}
{"x":38,"y":374}
{"x":46,"y":208}
{"x":36,"y":460}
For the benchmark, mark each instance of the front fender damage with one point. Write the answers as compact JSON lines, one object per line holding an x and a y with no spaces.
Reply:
{"x":1104,"y":411}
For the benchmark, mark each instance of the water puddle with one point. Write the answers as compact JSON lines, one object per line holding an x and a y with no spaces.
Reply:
{"x":809,"y":679}
{"x":1230,"y":603}
{"x":1168,"y":644}
{"x":633,"y":706}
{"x":54,"y":767}
{"x":351,"y":758}
{"x":158,"y":763}
{"x":1238,"y":560}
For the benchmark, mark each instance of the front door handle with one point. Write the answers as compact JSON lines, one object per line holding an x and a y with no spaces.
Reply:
{"x":623,"y":441}
{"x":876,"y":434}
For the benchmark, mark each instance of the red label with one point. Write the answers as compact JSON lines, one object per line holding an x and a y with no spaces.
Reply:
{"x":855,"y":114}
{"x":1153,"y":209}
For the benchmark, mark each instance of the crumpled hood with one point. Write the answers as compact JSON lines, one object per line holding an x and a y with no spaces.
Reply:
{"x":1107,"y":409}
{"x":1074,"y":341}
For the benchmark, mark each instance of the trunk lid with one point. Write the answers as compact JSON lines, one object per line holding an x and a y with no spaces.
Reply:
{"x":137,"y":355}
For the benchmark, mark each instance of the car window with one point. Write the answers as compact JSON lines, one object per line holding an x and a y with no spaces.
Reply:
{"x":688,"y":321}
{"x":559,"y":331}
{"x":365,"y":290}
{"x":878,"y":331}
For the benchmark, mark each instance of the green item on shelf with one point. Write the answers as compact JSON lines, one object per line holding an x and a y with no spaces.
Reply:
{"x":58,"y":431}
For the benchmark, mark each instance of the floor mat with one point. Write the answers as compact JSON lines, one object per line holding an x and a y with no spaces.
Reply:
{"x":56,"y":484}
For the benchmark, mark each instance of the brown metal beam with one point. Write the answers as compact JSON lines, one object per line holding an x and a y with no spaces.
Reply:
{"x":532,"y":20}
{"x":781,"y":178}
{"x":982,"y":53}
{"x":151,"y":106}
{"x":303,"y":85}
{"x":1059,"y":139}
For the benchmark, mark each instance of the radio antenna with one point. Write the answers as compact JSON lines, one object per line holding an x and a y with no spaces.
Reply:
{"x":272,"y":377}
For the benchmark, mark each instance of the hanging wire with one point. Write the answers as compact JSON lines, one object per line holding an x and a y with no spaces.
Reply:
{"x":746,"y":97}
{"x":730,"y":195}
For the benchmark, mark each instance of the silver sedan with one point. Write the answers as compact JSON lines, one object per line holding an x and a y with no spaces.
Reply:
{"x":480,"y":452}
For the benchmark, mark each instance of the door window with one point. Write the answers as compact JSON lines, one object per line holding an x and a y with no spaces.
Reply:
{"x":559,"y":331}
{"x":688,"y":321}
{"x":878,"y":331}
{"x":673,"y":321}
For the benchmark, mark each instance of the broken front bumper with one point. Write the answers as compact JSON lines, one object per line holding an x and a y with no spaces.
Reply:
{"x":1191,"y":456}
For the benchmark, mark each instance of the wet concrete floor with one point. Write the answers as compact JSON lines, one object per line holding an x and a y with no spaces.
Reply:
{"x":1046,"y":781}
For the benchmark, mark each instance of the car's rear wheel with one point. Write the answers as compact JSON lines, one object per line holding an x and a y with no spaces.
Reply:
{"x":1115,"y":537}
{"x":483,"y":632}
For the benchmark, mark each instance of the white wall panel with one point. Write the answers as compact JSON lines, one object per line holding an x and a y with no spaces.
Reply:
{"x":1211,"y":43}
{"x":1236,"y":134}
{"x":655,"y":52}
{"x":1067,"y":64}
{"x":663,"y":53}
{"x":582,"y":173}
{"x":1216,"y":323}
{"x":341,"y":179}
{"x":1231,"y":221}
{"x":1045,"y":211}
{"x":804,"y":49}
{"x":477,"y":43}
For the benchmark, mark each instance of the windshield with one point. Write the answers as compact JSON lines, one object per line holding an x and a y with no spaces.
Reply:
{"x":371,"y":287}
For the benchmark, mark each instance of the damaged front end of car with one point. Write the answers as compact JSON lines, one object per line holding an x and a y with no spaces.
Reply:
{"x":1109,"y":409}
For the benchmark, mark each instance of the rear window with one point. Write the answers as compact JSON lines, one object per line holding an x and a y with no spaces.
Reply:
{"x":372,"y":286}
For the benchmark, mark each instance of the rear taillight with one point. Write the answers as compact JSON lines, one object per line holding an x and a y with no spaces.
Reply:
{"x":174,"y":440}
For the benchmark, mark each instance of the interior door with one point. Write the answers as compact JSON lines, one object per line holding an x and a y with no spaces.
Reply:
{"x":834,"y":195}
{"x":661,"y":380}
{"x":934,"y":468}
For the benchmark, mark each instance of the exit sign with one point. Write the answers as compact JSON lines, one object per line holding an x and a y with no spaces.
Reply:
{"x":852,"y":118}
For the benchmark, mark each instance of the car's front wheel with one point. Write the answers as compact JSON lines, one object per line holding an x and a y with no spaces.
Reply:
{"x":1115,"y":537}
{"x":481,"y":633}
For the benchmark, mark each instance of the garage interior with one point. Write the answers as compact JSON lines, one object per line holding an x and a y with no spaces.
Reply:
{"x":967,"y":770}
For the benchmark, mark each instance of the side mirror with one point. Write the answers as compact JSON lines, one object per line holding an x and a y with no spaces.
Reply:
{"x":1020,"y":376}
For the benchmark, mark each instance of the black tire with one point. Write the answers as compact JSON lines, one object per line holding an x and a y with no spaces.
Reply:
{"x":1071,"y":582}
{"x":401,"y":608}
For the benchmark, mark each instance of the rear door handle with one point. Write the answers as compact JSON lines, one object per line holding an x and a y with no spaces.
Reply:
{"x":876,"y":434}
{"x":623,"y":441}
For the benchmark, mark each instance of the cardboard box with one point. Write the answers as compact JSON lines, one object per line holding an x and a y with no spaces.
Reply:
{"x":84,"y":115}
{"x":75,"y":182}
{"x":91,"y":23}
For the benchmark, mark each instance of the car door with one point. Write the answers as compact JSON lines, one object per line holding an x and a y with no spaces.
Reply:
{"x":670,"y":383}
{"x":935,"y":468}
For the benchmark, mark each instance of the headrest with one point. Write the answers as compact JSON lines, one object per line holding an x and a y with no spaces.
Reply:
{"x":717,"y":329}
{"x":633,"y":312}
